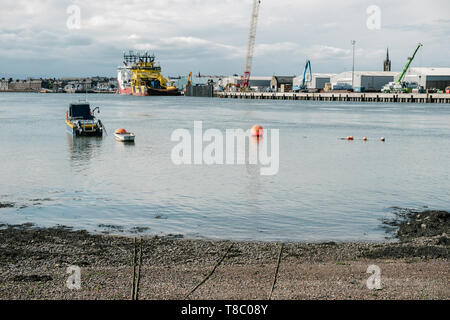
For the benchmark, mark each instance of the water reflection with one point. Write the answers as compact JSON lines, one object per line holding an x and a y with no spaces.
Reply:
{"x":253,"y":148}
{"x":82,"y":150}
{"x":253,"y":170}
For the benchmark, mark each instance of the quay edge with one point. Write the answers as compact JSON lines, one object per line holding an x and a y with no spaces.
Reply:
{"x":340,"y":96}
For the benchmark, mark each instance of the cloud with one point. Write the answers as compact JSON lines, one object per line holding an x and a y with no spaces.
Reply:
{"x":321,"y":52}
{"x":211,"y":35}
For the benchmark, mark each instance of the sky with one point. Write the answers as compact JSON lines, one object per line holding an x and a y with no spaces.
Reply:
{"x":54,"y":38}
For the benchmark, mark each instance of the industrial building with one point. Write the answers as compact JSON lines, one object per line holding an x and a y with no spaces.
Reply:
{"x":429,"y":78}
{"x":281,"y":83}
{"x":318,"y":80}
{"x":255,"y":83}
{"x":369,"y":80}
{"x":21,"y":85}
{"x":4,"y":84}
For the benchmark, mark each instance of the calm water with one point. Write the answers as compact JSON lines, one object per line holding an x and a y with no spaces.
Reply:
{"x":326,"y":188}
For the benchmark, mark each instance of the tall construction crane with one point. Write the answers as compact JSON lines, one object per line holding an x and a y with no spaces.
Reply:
{"x":410,"y":59}
{"x":398,"y":86}
{"x":251,"y":44}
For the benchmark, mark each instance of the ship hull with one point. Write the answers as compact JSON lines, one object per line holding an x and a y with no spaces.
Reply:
{"x":122,"y":90}
{"x":73,"y":130}
{"x":155,"y":92}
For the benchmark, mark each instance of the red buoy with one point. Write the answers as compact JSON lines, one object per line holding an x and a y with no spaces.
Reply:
{"x":257,"y":131}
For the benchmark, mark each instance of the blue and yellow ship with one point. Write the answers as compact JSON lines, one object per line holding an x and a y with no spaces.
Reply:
{"x":80,"y":120}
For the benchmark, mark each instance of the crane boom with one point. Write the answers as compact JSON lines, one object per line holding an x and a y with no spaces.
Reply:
{"x":410,"y":59}
{"x":307,"y":67}
{"x":251,"y":44}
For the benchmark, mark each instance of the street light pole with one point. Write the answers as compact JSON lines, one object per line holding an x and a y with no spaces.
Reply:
{"x":353,"y":65}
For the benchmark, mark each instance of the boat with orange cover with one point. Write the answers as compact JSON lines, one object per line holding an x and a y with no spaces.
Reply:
{"x":123,"y":135}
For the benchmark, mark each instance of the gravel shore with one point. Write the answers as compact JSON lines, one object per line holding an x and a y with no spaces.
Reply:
{"x":34,"y":261}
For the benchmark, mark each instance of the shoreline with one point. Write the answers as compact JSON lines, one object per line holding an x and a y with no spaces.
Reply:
{"x":34,"y":261}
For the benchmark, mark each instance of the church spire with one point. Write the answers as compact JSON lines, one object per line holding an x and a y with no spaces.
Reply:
{"x":387,"y":62}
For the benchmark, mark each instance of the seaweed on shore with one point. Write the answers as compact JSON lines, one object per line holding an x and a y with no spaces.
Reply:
{"x":411,"y":224}
{"x":32,"y":278}
{"x":422,"y":234}
{"x":6,"y":204}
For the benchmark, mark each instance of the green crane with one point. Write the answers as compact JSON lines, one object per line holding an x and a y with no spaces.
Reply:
{"x":397,"y":86}
{"x":410,"y":59}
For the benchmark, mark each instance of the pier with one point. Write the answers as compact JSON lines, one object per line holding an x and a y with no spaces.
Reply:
{"x":341,"y":96}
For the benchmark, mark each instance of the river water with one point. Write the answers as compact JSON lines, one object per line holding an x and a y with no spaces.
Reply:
{"x":326,"y":188}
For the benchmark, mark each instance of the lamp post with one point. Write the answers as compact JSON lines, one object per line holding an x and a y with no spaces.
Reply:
{"x":353,"y":64}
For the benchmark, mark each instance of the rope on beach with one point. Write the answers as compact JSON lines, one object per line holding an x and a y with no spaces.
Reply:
{"x":136,"y":275}
{"x":133,"y":261}
{"x":210,"y":274}
{"x":275,"y":276}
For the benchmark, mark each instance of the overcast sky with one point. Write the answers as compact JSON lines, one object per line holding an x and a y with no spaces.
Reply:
{"x":210,"y":36}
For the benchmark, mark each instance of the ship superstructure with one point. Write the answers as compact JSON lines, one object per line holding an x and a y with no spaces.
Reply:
{"x":139,"y":75}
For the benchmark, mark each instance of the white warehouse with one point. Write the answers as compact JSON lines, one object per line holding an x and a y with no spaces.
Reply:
{"x":438,"y":78}
{"x":317,"y":81}
{"x":255,"y":82}
{"x":369,"y":80}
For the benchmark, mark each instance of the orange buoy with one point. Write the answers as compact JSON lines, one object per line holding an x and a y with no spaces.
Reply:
{"x":364,"y":138}
{"x":350,"y":138}
{"x":382,"y":139}
{"x":121,"y":130}
{"x":257,"y":131}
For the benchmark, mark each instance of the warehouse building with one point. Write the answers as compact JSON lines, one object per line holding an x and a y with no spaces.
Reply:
{"x":25,"y":85}
{"x":281,"y":83}
{"x":256,"y":83}
{"x":317,"y":81}
{"x":4,"y":84}
{"x":429,"y":78}
{"x":368,"y":80}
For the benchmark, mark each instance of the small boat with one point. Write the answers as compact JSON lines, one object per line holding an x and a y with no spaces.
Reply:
{"x":123,"y":135}
{"x":80,"y":120}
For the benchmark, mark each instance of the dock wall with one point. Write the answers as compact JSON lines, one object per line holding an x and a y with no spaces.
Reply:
{"x":333,"y":96}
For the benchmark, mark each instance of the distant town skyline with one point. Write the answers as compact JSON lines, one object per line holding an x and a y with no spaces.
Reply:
{"x":83,"y":38}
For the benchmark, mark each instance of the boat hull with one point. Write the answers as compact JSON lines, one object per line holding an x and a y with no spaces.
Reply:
{"x":73,"y":130}
{"x":123,"y":90}
{"x":124,"y":137}
{"x":148,"y":91}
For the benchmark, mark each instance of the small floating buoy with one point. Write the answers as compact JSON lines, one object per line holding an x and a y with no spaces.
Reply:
{"x":257,"y":131}
{"x":364,"y":138}
{"x":382,"y":139}
{"x":350,"y":138}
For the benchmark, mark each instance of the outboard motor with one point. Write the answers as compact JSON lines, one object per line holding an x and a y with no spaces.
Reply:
{"x":80,"y":130}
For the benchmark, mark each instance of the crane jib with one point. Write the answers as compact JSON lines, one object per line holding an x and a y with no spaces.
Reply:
{"x":402,"y":74}
{"x":251,"y":43}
